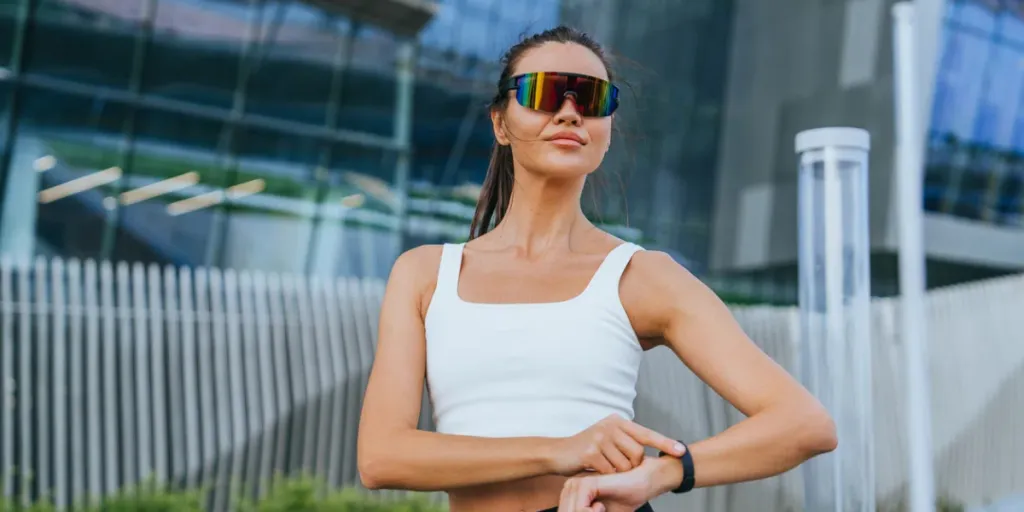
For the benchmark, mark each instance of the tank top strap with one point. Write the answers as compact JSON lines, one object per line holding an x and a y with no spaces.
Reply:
{"x":448,"y":270}
{"x":607,"y":277}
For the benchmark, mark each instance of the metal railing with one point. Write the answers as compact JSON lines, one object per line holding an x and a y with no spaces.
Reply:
{"x":117,"y":374}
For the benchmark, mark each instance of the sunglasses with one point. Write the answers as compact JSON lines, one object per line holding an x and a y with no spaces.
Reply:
{"x":547,"y":91}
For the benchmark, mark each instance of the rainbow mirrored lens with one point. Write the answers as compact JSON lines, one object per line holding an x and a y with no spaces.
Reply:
{"x":547,"y":91}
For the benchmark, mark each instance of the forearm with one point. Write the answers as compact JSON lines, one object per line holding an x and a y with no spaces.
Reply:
{"x":761,"y":446}
{"x":427,"y":461}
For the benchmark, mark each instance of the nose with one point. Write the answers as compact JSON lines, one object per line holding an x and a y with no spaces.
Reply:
{"x":568,"y":113}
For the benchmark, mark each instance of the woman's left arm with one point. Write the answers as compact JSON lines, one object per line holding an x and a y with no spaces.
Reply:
{"x":785,"y":424}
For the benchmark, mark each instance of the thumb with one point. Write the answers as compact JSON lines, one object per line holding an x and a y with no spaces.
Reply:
{"x":598,"y":507}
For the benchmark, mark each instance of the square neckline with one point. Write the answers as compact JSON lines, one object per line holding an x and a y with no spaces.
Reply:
{"x":571,"y":300}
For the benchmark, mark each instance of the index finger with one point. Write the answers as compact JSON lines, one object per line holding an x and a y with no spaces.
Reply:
{"x":653,"y":439}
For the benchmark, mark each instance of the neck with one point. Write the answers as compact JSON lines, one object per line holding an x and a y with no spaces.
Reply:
{"x":543,"y":214}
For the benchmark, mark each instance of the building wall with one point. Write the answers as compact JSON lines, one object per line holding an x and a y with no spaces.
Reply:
{"x":797,"y":65}
{"x":812,"y":64}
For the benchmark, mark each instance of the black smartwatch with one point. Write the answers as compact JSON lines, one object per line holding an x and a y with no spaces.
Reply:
{"x":687,"y":460}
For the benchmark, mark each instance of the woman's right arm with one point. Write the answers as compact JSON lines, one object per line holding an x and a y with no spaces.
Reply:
{"x":394,"y":454}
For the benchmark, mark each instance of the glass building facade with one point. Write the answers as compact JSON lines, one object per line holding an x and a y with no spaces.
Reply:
{"x":261,"y":134}
{"x":279,"y":135}
{"x":976,"y":151}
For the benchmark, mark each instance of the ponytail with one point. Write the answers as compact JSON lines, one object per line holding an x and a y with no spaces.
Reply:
{"x":496,"y":194}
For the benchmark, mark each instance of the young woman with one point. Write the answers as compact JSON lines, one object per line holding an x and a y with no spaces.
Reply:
{"x":531,"y":334}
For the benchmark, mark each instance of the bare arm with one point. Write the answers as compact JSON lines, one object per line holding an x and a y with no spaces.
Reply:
{"x":785,"y":424}
{"x":393,"y":453}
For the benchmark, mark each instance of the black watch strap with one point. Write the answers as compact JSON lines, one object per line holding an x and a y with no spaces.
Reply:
{"x":688,"y":480}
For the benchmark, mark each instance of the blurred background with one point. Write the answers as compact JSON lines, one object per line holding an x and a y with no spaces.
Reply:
{"x":189,"y":186}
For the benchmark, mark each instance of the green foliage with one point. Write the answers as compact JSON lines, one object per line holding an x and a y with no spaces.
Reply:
{"x":300,"y":494}
{"x":306,"y":494}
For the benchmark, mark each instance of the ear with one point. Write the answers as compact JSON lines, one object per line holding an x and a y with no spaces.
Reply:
{"x":498,"y":124}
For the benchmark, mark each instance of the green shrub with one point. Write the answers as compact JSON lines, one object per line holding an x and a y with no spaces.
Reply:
{"x":305,"y":494}
{"x":299,"y":494}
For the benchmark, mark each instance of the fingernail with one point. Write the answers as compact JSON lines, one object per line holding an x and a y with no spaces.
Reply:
{"x":679,"y":447}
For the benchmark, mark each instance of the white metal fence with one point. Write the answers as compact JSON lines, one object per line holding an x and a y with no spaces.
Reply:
{"x":112,"y":374}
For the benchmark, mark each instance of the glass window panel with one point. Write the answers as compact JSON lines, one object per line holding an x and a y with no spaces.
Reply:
{"x":10,"y":10}
{"x":356,"y":232}
{"x":295,"y":62}
{"x":375,"y":50}
{"x":1005,"y":81}
{"x":5,"y":107}
{"x":367,"y":102}
{"x":1012,"y":21}
{"x":90,"y":42}
{"x":979,"y":14}
{"x":941,"y":103}
{"x":68,"y":153}
{"x":197,"y":49}
{"x":177,"y":163}
{"x":270,"y":199}
{"x":1018,"y":131}
{"x":963,"y":71}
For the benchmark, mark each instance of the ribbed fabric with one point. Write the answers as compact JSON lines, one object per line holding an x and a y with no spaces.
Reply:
{"x":537,"y":369}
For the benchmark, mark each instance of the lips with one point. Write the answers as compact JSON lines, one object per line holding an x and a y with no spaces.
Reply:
{"x":567,"y":138}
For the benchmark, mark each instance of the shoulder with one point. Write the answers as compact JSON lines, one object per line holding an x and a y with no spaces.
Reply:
{"x":649,"y":268}
{"x":415,"y":262}
{"x":414,"y":274}
{"x":655,"y":288}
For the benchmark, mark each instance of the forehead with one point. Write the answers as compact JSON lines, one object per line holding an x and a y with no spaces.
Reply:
{"x":563,"y":57}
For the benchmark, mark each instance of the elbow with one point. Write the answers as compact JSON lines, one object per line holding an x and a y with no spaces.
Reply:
{"x":369,"y":476}
{"x":372,"y":464}
{"x":372,"y":472}
{"x":818,"y":435}
{"x":380,"y":464}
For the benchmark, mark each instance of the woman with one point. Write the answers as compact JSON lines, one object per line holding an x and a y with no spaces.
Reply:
{"x":530,"y":335}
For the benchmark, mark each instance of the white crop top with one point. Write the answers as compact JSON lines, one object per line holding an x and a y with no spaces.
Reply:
{"x":515,"y":370}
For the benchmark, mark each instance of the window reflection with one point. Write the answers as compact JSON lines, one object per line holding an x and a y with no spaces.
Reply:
{"x":5,"y":105}
{"x":197,"y":49}
{"x":367,"y":102}
{"x":10,"y":10}
{"x":294,"y":64}
{"x":355,"y":226}
{"x":175,"y":157}
{"x":68,"y":155}
{"x":973,"y":168}
{"x":90,"y":41}
{"x":268,"y":201}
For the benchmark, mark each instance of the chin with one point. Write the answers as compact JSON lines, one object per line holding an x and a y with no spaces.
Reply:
{"x":563,"y":169}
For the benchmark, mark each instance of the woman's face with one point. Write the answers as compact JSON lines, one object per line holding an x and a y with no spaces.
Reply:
{"x":537,"y":137}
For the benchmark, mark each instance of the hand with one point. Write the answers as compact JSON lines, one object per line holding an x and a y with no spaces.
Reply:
{"x":612,"y":445}
{"x":622,"y":492}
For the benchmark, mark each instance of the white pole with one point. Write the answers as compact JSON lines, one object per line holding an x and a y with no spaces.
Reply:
{"x":909,"y":143}
{"x":835,"y":295}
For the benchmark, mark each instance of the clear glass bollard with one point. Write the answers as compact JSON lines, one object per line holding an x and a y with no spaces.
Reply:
{"x":835,"y":299}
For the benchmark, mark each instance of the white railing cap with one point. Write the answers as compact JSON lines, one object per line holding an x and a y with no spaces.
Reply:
{"x":837,"y":136}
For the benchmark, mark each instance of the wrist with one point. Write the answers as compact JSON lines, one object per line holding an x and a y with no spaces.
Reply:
{"x":668,"y":474}
{"x":548,"y":451}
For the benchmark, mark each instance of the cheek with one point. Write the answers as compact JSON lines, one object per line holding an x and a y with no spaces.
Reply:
{"x":525,"y":123}
{"x":600,"y":133}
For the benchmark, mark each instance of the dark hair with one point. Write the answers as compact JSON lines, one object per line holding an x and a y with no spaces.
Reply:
{"x":497,"y":188}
